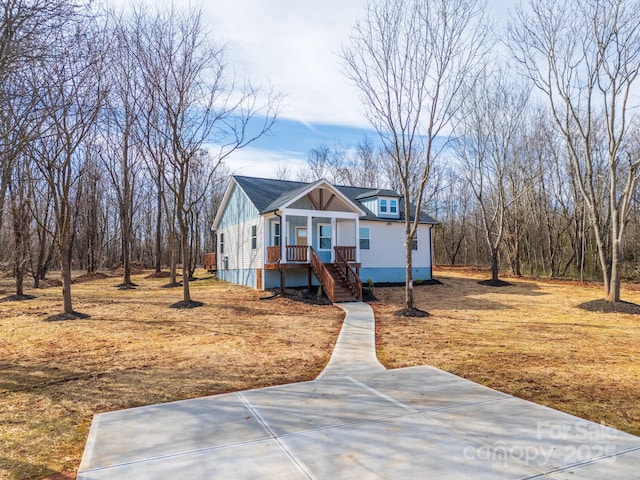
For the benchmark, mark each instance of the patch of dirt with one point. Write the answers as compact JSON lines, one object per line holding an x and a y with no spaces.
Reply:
{"x":603,"y":306}
{"x":159,"y":275}
{"x":137,"y":268}
{"x":494,"y":283}
{"x":304,"y":295}
{"x":90,"y":277}
{"x":51,"y":283}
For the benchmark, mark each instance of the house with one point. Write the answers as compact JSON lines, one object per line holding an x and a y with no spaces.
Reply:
{"x":276,"y":233}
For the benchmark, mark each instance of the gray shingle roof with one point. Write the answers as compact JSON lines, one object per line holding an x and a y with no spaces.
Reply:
{"x":268,"y":194}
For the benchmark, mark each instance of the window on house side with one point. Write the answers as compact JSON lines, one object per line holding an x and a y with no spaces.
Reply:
{"x":393,"y":206}
{"x":222,"y":243}
{"x":276,"y":234}
{"x":254,"y":237}
{"x":365,"y":238}
{"x":414,"y":244}
{"x":383,"y":205}
{"x":325,"y":237}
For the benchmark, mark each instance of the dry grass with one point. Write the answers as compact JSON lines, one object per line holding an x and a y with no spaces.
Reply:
{"x":134,"y":350}
{"x":528,"y":339}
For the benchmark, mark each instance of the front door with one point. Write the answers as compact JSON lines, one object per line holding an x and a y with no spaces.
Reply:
{"x":301,"y":236}
{"x":300,"y":253}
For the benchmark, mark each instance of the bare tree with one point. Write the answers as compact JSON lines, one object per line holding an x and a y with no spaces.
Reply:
{"x":585,"y":57}
{"x":196,"y":103}
{"x":408,"y":59}
{"x":20,"y":194}
{"x":23,"y":42}
{"x":487,"y":145}
{"x":121,"y":154}
{"x":72,"y":99}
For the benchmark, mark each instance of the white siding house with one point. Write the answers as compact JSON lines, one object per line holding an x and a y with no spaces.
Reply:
{"x":270,"y":232}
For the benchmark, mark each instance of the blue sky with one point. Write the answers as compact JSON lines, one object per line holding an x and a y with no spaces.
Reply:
{"x":289,"y":144}
{"x":294,"y":45}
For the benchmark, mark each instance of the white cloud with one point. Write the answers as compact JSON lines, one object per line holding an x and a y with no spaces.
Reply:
{"x":294,"y":45}
{"x":255,"y":162}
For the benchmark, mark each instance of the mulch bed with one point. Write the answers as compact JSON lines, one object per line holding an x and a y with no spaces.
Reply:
{"x":411,"y":312}
{"x":17,"y":298}
{"x":494,"y":283}
{"x":608,"y":307}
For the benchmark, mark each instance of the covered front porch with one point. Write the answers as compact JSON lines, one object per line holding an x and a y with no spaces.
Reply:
{"x":320,"y":243}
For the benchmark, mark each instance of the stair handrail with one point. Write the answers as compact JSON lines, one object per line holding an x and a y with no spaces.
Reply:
{"x":323,"y":275}
{"x":352,"y":277}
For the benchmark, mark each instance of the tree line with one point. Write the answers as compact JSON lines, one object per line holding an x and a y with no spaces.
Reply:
{"x":523,"y":142}
{"x":114,"y":126}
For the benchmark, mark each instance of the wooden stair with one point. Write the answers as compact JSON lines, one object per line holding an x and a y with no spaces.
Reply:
{"x":343,"y":290}
{"x":339,"y":281}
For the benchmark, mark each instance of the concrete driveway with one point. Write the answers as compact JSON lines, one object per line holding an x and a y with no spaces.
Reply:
{"x":357,"y":421}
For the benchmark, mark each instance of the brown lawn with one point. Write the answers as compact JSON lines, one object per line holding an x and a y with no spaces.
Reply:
{"x":133,"y":351}
{"x":528,"y":339}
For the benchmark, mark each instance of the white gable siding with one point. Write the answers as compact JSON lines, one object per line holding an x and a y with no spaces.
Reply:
{"x":387,"y":248}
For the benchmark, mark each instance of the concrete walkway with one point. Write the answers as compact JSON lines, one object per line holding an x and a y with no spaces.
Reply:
{"x":357,"y":421}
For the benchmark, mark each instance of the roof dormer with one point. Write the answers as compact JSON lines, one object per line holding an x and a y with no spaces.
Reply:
{"x":383,"y":203}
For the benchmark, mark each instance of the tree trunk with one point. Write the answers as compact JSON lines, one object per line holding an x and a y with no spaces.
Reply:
{"x":65,"y":252}
{"x":158,"y":252}
{"x":495,"y":264}
{"x":612,"y":293}
{"x":184,"y":243}
{"x":409,"y":304}
{"x":173,"y":275}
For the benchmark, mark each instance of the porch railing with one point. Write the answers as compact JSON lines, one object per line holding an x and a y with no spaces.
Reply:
{"x":297,"y":253}
{"x":348,"y":253}
{"x":355,"y":284}
{"x":294,"y":254}
{"x":323,"y":275}
{"x":273,"y":254}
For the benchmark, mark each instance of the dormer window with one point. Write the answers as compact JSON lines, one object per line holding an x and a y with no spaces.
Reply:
{"x":393,"y":206}
{"x":383,"y":205}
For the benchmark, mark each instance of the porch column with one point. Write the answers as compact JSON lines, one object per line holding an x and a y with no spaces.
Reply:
{"x":357,"y":239}
{"x":309,"y":236}
{"x":334,"y":238}
{"x":283,"y":238}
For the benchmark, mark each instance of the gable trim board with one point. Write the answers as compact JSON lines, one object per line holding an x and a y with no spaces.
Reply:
{"x":255,"y":203}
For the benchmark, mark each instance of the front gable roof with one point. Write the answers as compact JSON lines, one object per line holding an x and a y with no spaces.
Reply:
{"x":268,"y":195}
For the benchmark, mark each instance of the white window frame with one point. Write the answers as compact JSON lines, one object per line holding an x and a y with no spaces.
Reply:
{"x":383,"y":205}
{"x":367,"y":238}
{"x":276,"y":234}
{"x":393,"y":206}
{"x":254,"y":237}
{"x":330,"y":237}
{"x":221,"y":242}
